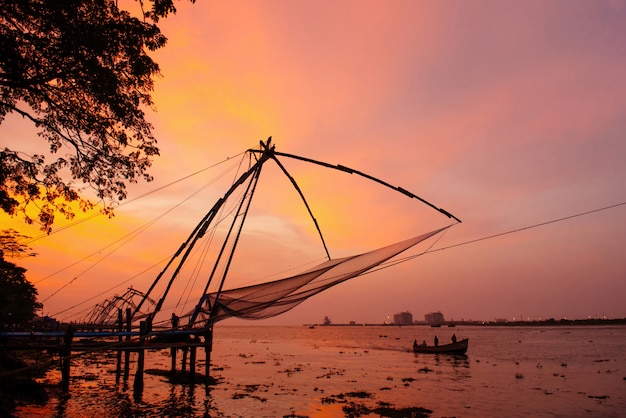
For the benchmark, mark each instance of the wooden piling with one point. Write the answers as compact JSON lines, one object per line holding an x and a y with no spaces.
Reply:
{"x":66,"y":358}
{"x":192,"y":362}
{"x":173,"y":355}
{"x":138,"y":384}
{"x":120,"y":328}
{"x":129,"y":325}
{"x":208,"y":347}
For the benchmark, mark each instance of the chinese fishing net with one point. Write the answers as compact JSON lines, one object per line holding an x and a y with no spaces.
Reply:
{"x":276,"y":297}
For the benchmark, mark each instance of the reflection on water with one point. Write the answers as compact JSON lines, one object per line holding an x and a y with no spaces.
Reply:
{"x":329,"y":371}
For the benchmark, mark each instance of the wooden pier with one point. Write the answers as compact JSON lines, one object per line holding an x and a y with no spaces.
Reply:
{"x":78,"y":339}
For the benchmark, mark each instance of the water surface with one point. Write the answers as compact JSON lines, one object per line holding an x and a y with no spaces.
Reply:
{"x":560,"y":371}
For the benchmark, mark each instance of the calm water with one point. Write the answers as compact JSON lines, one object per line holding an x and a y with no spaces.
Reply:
{"x":281,"y":371}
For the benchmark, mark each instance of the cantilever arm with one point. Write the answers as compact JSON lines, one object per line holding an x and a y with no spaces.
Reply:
{"x":352,"y":171}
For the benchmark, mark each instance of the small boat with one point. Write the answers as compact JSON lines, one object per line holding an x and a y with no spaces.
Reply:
{"x":459,"y":347}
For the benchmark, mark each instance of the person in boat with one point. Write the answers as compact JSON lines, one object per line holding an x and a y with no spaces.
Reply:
{"x":175,"y":321}
{"x":453,"y":338}
{"x":423,"y":343}
{"x":436,"y":341}
{"x":414,"y":344}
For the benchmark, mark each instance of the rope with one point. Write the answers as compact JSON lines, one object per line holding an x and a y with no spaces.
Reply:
{"x":128,"y":237}
{"x":113,"y":288}
{"x":428,"y":251}
{"x":87,"y":218}
{"x":531,"y":226}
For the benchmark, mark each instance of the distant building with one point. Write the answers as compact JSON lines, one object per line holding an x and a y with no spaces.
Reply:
{"x":434,"y":318}
{"x":403,"y":318}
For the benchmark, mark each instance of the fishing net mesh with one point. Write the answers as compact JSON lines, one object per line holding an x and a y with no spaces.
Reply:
{"x":269,"y":299}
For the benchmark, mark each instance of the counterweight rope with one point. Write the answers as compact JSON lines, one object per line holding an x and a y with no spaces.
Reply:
{"x":565,"y":218}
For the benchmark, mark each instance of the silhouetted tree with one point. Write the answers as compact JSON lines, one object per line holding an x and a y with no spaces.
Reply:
{"x":79,"y":70}
{"x":18,"y":297}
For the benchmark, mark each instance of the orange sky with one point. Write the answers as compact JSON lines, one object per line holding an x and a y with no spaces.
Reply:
{"x":506,"y":114}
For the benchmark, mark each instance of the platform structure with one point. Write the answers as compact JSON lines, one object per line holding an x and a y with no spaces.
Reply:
{"x":71,"y":340}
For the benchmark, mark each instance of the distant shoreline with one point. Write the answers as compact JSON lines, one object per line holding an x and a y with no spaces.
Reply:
{"x":451,"y":324}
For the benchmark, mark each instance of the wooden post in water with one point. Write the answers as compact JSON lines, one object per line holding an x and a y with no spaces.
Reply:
{"x":192,"y":360}
{"x":183,"y":366}
{"x":129,"y":324}
{"x":173,"y":355}
{"x":138,"y":385}
{"x":120,"y":328}
{"x":66,"y":358}
{"x":208,"y":347}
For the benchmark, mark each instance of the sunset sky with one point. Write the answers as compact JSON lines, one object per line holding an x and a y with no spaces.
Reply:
{"x":507,"y":114}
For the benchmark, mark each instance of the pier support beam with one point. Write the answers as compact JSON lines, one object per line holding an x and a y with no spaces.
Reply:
{"x":66,"y":358}
{"x":129,"y":325}
{"x":138,"y":385}
{"x":192,"y":362}
{"x":120,"y":328}
{"x":208,"y":347}
{"x":173,"y":351}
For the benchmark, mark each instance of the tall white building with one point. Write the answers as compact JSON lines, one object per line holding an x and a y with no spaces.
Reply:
{"x":434,"y":318}
{"x":403,"y":318}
